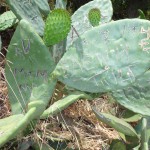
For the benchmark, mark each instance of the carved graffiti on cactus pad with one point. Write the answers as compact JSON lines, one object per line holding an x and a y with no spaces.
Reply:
{"x":144,"y":43}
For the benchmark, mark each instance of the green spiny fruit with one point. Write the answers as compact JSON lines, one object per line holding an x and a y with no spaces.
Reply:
{"x":58,"y":24}
{"x":94,"y":16}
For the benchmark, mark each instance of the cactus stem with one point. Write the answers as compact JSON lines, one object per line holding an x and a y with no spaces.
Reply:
{"x":144,"y":139}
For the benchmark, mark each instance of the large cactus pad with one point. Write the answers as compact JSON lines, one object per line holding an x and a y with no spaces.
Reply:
{"x":108,"y":57}
{"x":137,"y":96}
{"x":27,"y":9}
{"x":28,"y":65}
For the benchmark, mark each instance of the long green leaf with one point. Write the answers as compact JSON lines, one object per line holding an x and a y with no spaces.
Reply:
{"x":118,"y":124}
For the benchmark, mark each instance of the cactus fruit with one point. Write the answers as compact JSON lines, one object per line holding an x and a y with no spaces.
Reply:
{"x":26,"y":69}
{"x":80,"y":21}
{"x":94,"y":16}
{"x":137,"y":96}
{"x":7,"y":20}
{"x":108,"y":57}
{"x":57,"y":26}
{"x":28,"y":10}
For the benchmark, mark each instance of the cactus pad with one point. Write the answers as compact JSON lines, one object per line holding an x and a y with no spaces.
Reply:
{"x":137,"y":96}
{"x":43,"y":6}
{"x":7,"y":125}
{"x":108,"y":57}
{"x":61,"y":4}
{"x":80,"y":19}
{"x":94,"y":16}
{"x":28,"y":10}
{"x":118,"y":124}
{"x":28,"y":65}
{"x":57,"y":26}
{"x":7,"y":20}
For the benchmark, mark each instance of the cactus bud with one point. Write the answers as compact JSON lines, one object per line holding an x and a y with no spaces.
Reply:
{"x":57,"y":26}
{"x":94,"y":16}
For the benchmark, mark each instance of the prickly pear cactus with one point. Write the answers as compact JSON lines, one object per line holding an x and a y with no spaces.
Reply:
{"x":94,"y":16}
{"x":137,"y":96}
{"x":28,"y":10}
{"x":118,"y":124}
{"x":43,"y":6}
{"x":7,"y":20}
{"x":28,"y":65}
{"x":7,"y":125}
{"x":108,"y":57}
{"x":141,"y":14}
{"x":117,"y":145}
{"x":61,"y":4}
{"x":80,"y":19}
{"x":59,"y":49}
{"x":57,"y":26}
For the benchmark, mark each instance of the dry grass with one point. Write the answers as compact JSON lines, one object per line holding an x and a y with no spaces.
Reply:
{"x":78,"y":125}
{"x":4,"y":103}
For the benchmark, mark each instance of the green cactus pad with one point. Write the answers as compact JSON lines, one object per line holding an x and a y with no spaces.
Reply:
{"x":80,"y":19}
{"x":108,"y":57}
{"x":57,"y":26}
{"x":63,"y":103}
{"x":58,"y":50}
{"x":28,"y":65}
{"x":61,"y":4}
{"x":28,"y":10}
{"x":117,"y":145}
{"x":116,"y":123}
{"x":137,"y":96}
{"x":7,"y":125}
{"x":43,"y":6}
{"x":10,"y":127}
{"x":94,"y":16}
{"x":7,"y":20}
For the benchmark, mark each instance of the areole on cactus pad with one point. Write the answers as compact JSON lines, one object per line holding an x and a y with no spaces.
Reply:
{"x":107,"y":57}
{"x":57,"y":26}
